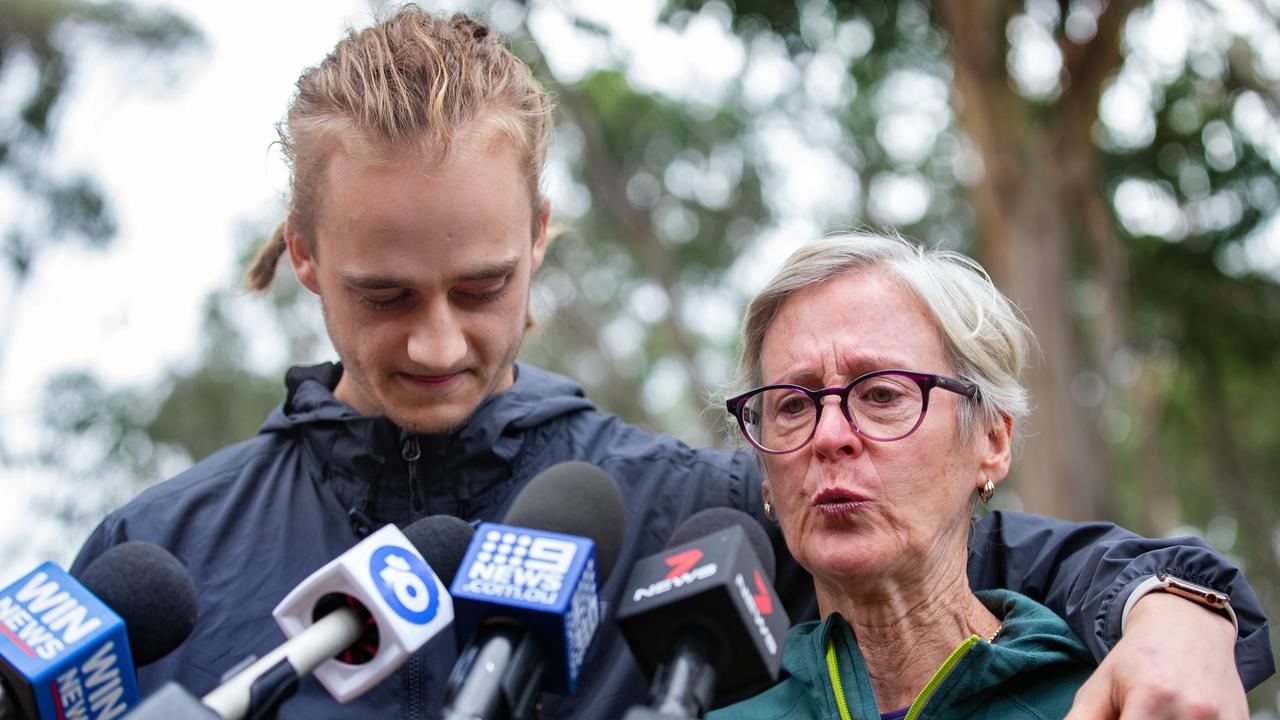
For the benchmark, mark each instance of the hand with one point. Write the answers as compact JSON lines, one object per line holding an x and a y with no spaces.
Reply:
{"x":1176,"y":661}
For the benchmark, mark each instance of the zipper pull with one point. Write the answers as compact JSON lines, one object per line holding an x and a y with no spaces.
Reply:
{"x":464,"y":501}
{"x":411,"y":453}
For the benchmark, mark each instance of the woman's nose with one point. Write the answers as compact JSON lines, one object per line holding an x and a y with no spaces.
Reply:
{"x":834,"y":436}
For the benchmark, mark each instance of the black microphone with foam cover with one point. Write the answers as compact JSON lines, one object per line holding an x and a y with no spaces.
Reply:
{"x":702,"y":617}
{"x":713,"y":520}
{"x":526,"y":597}
{"x":62,"y":654}
{"x":575,"y":498}
{"x":151,"y":591}
{"x":443,"y":541}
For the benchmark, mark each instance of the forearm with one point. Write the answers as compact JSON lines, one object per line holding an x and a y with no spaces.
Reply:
{"x":1085,"y":572}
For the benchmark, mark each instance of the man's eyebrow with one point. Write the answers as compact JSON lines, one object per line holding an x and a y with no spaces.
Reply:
{"x":363,"y":281}
{"x":374,"y":281}
{"x":490,"y":270}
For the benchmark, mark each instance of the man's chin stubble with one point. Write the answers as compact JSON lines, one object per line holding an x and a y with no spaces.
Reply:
{"x":430,"y":429}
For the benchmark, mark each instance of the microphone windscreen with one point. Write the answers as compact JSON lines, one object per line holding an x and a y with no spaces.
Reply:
{"x":575,"y":498}
{"x":442,"y":540}
{"x":713,"y":520}
{"x":150,"y":590}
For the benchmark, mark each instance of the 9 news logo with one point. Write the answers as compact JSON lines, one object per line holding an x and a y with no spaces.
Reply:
{"x":406,"y":583}
{"x":525,"y":566}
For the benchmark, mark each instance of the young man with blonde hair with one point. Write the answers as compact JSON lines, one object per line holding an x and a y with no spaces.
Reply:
{"x":416,"y":216}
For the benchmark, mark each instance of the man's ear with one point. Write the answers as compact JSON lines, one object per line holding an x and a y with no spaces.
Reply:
{"x":997,"y":450}
{"x":540,"y":238}
{"x":303,"y":259}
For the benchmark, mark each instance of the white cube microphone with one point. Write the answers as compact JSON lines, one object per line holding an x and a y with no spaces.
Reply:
{"x":404,"y":598}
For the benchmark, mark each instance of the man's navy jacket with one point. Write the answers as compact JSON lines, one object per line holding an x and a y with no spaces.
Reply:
{"x":255,"y":519}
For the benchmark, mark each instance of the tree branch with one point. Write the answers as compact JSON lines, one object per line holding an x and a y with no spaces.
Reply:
{"x":608,"y":183}
{"x":1087,"y":67}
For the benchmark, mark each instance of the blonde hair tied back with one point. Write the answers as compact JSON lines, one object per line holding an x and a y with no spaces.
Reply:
{"x":412,"y":82}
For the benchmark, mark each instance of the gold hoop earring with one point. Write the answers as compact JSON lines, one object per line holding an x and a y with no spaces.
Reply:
{"x":986,"y":491}
{"x":768,"y":512}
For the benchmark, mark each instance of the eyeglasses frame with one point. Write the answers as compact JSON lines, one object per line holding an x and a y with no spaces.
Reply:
{"x":737,"y":405}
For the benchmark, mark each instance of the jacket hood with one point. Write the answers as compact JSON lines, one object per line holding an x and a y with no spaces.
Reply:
{"x":368,"y":457}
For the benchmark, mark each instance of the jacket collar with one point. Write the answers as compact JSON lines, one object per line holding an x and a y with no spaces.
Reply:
{"x":363,"y":458}
{"x":1032,"y":638}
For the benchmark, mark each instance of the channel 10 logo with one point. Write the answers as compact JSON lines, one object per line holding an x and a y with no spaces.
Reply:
{"x":406,"y":583}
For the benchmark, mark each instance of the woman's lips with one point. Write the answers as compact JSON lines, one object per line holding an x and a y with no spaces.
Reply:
{"x":838,"y":501}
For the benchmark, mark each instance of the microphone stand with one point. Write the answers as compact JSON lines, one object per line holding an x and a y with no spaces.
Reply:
{"x":685,"y":687}
{"x":499,"y":675}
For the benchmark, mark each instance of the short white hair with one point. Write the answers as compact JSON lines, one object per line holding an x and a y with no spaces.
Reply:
{"x":984,"y":338}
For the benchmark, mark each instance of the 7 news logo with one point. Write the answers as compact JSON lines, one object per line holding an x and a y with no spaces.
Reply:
{"x":683,"y":572}
{"x":758,"y":605}
{"x":406,"y":583}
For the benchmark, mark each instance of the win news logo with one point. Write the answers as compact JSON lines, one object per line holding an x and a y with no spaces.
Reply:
{"x":65,"y":649}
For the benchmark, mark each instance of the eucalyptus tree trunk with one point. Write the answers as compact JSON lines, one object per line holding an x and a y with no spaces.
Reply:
{"x":1041,"y":216}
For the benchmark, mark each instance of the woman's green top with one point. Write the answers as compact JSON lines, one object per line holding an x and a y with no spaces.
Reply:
{"x":1032,"y":671}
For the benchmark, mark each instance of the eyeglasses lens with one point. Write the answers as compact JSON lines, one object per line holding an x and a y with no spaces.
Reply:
{"x":884,"y":407}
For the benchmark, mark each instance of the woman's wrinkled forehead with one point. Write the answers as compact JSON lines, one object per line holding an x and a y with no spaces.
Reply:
{"x":851,"y":324}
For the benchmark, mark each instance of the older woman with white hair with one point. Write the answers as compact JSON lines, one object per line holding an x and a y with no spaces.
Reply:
{"x":884,"y":404}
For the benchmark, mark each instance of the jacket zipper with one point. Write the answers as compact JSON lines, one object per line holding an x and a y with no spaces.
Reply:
{"x":947,"y":666}
{"x":913,"y":713}
{"x":834,"y":671}
{"x":415,"y":669}
{"x":464,"y":501}
{"x":411,"y":452}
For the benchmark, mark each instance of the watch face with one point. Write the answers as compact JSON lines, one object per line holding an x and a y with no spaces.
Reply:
{"x":1194,"y":592}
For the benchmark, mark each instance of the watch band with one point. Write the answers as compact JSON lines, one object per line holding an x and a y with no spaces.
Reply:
{"x":1162,"y":582}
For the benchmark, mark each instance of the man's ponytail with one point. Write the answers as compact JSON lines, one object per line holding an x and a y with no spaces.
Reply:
{"x":263,"y":270}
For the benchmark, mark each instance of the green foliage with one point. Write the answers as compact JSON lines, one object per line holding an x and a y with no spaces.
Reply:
{"x":219,"y":402}
{"x":674,"y":196}
{"x":136,"y":436}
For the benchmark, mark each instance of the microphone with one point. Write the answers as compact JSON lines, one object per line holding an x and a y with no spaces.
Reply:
{"x":527,"y":593}
{"x":355,"y":620}
{"x":702,"y":617}
{"x":65,"y":643}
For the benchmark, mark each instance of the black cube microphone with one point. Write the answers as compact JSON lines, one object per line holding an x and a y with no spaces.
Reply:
{"x":702,"y":617}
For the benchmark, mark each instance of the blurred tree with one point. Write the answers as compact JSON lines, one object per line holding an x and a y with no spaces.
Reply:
{"x":113,"y":442}
{"x":1120,"y":159}
{"x":672,"y":202}
{"x":42,"y":43}
{"x":1043,"y":170}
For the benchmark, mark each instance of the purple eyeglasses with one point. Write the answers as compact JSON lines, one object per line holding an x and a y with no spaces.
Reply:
{"x":884,"y":405}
